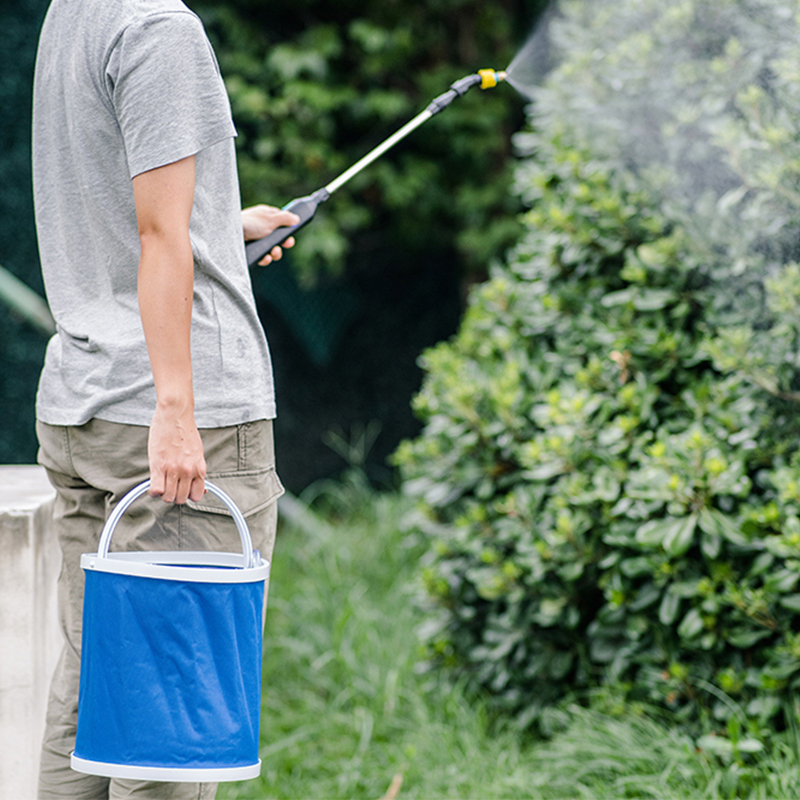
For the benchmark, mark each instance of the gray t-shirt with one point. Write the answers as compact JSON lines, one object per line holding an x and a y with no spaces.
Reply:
{"x":123,"y":87}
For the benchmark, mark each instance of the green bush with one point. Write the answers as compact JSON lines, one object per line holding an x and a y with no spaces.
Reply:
{"x":701,"y":98}
{"x":608,"y":472}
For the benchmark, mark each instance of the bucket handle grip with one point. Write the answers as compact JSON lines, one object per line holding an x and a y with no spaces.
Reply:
{"x":138,"y":491}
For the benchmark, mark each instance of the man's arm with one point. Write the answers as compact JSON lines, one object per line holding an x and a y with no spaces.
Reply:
{"x":164,"y":199}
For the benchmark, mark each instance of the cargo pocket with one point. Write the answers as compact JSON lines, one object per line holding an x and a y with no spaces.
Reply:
{"x":251,"y":490}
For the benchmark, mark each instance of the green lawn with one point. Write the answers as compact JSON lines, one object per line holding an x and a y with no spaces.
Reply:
{"x":348,"y":714}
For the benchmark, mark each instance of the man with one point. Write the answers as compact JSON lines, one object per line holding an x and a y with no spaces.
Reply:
{"x":159,"y":367}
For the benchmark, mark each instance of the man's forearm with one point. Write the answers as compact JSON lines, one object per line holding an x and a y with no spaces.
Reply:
{"x":166,"y":281}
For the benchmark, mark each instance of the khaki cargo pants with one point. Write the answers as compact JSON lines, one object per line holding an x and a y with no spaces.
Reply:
{"x":91,"y":468}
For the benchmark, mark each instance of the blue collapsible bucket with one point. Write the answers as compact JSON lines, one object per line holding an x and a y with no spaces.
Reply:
{"x":170,"y":685}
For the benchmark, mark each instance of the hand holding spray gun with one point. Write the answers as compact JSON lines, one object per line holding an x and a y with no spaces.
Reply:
{"x":306,"y":207}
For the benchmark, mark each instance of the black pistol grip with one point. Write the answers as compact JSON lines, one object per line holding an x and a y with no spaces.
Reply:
{"x":304,"y":207}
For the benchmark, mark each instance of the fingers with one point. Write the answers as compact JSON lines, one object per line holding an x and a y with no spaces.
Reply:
{"x":175,"y":455}
{"x":172,"y":487}
{"x":197,"y":490}
{"x":187,"y":489}
{"x":276,"y":253}
{"x":177,"y":473}
{"x":170,"y":494}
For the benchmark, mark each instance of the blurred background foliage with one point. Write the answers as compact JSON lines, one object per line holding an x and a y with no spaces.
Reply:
{"x":21,"y":346}
{"x":380,"y":274}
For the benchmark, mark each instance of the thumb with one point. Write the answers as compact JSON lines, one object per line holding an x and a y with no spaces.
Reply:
{"x":157,"y":482}
{"x":286,"y":218}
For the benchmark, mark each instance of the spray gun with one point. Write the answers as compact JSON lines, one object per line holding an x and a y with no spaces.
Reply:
{"x":306,"y":207}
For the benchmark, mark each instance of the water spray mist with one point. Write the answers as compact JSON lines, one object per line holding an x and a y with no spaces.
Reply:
{"x":306,"y":207}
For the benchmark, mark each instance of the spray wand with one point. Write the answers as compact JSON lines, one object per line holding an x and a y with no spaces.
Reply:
{"x":306,"y":207}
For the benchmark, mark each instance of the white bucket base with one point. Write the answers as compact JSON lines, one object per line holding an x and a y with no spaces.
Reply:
{"x":175,"y":774}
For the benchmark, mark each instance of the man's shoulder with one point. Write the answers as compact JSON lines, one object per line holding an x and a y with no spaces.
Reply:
{"x":98,"y":23}
{"x":132,"y":11}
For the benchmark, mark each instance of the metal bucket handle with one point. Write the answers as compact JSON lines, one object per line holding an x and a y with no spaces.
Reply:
{"x":138,"y":491}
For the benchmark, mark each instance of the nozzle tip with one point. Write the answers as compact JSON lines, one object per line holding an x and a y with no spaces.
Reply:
{"x":490,"y":78}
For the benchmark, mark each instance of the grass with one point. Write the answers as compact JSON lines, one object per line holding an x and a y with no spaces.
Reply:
{"x":347,"y":713}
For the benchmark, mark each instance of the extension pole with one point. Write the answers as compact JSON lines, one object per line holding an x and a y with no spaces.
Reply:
{"x":306,"y":207}
{"x":423,"y":116}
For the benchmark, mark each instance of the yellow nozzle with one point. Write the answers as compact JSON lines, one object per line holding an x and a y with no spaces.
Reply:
{"x":490,"y":78}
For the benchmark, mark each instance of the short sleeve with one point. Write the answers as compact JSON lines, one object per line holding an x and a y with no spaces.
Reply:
{"x":166,"y":90}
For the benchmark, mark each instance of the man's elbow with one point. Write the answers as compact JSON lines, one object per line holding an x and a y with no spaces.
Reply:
{"x":161,"y":241}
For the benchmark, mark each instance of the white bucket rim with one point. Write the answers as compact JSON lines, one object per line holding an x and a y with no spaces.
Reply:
{"x":178,"y":774}
{"x":183,"y":565}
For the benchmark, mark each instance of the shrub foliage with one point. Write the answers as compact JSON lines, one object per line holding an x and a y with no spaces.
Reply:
{"x":608,"y":471}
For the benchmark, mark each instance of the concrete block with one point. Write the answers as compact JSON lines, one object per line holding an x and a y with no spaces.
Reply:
{"x":30,"y":640}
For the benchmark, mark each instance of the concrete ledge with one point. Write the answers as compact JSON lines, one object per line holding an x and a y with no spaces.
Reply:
{"x":30,"y":640}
